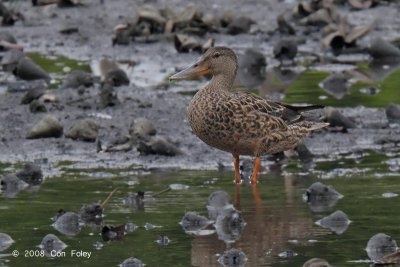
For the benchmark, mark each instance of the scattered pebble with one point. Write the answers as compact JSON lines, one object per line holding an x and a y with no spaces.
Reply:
{"x":337,"y":222}
{"x":233,"y":258}
{"x":51,"y":245}
{"x":5,"y":241}
{"x":380,"y":245}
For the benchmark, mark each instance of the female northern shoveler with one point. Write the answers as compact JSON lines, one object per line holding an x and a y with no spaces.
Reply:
{"x":238,"y":122}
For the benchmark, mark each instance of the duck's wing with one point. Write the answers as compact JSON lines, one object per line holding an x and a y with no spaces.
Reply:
{"x":287,"y":113}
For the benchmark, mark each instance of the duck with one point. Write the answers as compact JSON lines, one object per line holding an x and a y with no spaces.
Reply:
{"x":241,"y":123}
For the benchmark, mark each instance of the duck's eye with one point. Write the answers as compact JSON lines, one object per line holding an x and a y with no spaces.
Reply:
{"x":216,"y":55}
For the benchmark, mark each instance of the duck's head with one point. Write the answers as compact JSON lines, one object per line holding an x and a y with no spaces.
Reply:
{"x":216,"y":61}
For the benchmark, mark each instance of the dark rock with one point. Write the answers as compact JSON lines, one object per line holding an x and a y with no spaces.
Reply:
{"x":37,"y":106}
{"x":9,"y":16}
{"x":132,"y":262}
{"x":108,"y":96}
{"x":239,"y":25}
{"x":336,"y":119}
{"x":32,"y":94}
{"x":68,"y":224}
{"x":5,"y":241}
{"x":91,"y":214}
{"x":304,"y":153}
{"x":78,"y":78}
{"x":158,"y":145}
{"x":285,"y":49}
{"x":252,"y":64}
{"x":10,"y":60}
{"x":118,"y":77}
{"x":111,"y":233}
{"x":51,"y":245}
{"x":84,"y":130}
{"x":383,"y":50}
{"x":233,"y":257}
{"x":284,"y":27}
{"x":29,"y":70}
{"x":316,"y":262}
{"x":380,"y":245}
{"x":336,"y":222}
{"x":10,"y":185}
{"x":48,"y":126}
{"x":229,"y":224}
{"x":393,"y":112}
{"x":123,"y":34}
{"x":31,"y":174}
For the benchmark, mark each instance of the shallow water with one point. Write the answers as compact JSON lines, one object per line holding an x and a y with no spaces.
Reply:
{"x":280,"y":221}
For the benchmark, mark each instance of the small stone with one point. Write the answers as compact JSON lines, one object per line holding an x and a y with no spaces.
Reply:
{"x":108,"y":96}
{"x":158,"y":145}
{"x":91,"y":213}
{"x":383,"y":50}
{"x":285,"y":50}
{"x":37,"y":106}
{"x":10,"y":185}
{"x":239,"y":25}
{"x":84,"y":130}
{"x":216,"y":203}
{"x":32,"y":94}
{"x":112,"y":233}
{"x":336,"y":119}
{"x":68,"y":224}
{"x":320,"y":196}
{"x":393,"y":112}
{"x":29,"y":70}
{"x":31,"y":174}
{"x":48,"y":126}
{"x":141,"y":129}
{"x":51,"y":245}
{"x":78,"y":78}
{"x":380,"y":245}
{"x":117,"y":76}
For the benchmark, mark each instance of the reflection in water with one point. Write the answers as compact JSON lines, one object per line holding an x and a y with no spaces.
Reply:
{"x":11,"y":185}
{"x":193,"y":223}
{"x":337,"y":222}
{"x":268,"y":229}
{"x":380,"y":69}
{"x":5,"y":241}
{"x":229,"y":224}
{"x":316,"y":262}
{"x":233,"y":258}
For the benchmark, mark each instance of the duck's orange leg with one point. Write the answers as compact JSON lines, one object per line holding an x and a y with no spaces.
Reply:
{"x":238,"y":179}
{"x":256,"y":168}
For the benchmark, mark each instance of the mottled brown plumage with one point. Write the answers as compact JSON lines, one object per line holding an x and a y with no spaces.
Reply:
{"x":238,"y":122}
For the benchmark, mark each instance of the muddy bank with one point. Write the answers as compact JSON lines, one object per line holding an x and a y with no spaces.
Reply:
{"x":149,"y":95}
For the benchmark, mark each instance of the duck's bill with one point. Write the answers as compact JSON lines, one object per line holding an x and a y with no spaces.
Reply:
{"x":191,"y":72}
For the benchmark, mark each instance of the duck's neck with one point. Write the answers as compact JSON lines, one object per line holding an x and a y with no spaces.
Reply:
{"x":221,"y":82}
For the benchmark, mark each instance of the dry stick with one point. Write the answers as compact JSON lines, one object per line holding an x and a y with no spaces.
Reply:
{"x":162,"y":191}
{"x":108,"y":198}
